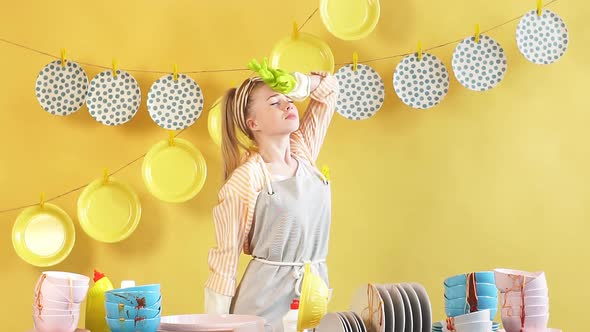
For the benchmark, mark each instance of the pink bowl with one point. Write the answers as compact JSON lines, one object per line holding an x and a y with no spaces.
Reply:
{"x":59,"y":305}
{"x":531,"y":323}
{"x":530,"y":310}
{"x":48,"y":290}
{"x":63,"y":278}
{"x":512,"y":280}
{"x":56,"y":323}
{"x":516,"y":300}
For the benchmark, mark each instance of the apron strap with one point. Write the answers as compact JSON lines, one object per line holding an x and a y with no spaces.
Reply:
{"x":297,"y":274}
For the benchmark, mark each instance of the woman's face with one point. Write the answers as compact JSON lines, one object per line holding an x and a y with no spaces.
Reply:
{"x":271,"y":113}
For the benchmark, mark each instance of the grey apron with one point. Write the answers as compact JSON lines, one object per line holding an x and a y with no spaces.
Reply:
{"x":291,"y":226}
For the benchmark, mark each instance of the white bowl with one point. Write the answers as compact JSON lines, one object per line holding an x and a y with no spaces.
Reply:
{"x":508,"y":280}
{"x":529,"y":310}
{"x":537,"y":292}
{"x":516,"y":300}
{"x":48,"y":290}
{"x":474,"y":327}
{"x":56,"y":323}
{"x":531,"y":323}
{"x":63,"y":278}
{"x":59,"y":305}
{"x":478,"y":316}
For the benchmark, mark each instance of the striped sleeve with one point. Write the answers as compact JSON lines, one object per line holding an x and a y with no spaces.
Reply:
{"x":228,"y":217}
{"x":317,"y":117}
{"x":232,"y":217}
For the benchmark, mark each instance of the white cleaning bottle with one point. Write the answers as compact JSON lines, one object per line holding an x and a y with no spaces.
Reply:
{"x":290,"y":319}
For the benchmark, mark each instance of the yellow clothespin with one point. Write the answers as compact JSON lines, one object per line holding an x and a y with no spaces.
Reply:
{"x":175,"y":72}
{"x":539,"y":7}
{"x":105,"y":175}
{"x":419,"y":51}
{"x":477,"y":33}
{"x":63,"y":57}
{"x":326,"y":172}
{"x":295,"y":30}
{"x":114,"y":68}
{"x":42,"y":200}
{"x":355,"y":61}
{"x":171,"y":137}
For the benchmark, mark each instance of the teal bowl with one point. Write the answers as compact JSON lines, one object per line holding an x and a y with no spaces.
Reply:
{"x":486,"y":277}
{"x":483,"y":289}
{"x":133,"y":298}
{"x":116,"y":310}
{"x":144,"y":288}
{"x":131,"y":325}
{"x":483,"y":302}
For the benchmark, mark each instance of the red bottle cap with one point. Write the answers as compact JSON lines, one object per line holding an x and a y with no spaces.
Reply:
{"x":295,"y":305}
{"x":98,"y":275}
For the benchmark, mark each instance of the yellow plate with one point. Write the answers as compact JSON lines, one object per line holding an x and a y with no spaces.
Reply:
{"x":214,"y":122}
{"x":304,"y":54}
{"x":43,"y":236}
{"x":350,"y":19}
{"x":108,"y":212}
{"x":214,"y":125}
{"x":174,"y":173}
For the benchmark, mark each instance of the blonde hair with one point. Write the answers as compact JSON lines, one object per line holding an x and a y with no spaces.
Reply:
{"x":235,"y":109}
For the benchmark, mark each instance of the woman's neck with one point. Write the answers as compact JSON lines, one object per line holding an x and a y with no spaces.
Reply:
{"x":275,"y":150}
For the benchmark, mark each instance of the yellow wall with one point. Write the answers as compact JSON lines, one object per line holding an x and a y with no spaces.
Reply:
{"x":484,"y":180}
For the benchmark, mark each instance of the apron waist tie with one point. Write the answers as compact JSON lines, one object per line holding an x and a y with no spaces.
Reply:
{"x":297,"y":274}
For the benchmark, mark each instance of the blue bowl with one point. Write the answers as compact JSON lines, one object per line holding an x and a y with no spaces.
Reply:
{"x":453,"y":292}
{"x":144,"y":288}
{"x":483,"y":302}
{"x":133,"y":299}
{"x":130,"y":325}
{"x":116,"y":310}
{"x":486,"y":277}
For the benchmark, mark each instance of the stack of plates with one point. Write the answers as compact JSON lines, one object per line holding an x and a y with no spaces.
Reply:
{"x":342,"y":322}
{"x":441,"y":327}
{"x":393,"y":307}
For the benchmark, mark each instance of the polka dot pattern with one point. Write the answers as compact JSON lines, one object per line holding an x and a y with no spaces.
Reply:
{"x":113,"y":100}
{"x":361,"y":93}
{"x":479,"y":66}
{"x":61,"y":90}
{"x":421,"y":83}
{"x":175,"y":105}
{"x":542,"y":39}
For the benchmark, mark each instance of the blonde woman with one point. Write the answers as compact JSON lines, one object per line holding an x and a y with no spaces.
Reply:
{"x":275,"y":204}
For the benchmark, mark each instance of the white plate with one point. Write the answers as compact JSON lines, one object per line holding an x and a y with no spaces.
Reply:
{"x":113,"y":100}
{"x":421,"y":83}
{"x":347,"y":326}
{"x":544,"y":39}
{"x":175,"y":105}
{"x":479,"y":66}
{"x":352,"y":321}
{"x":360,"y":322}
{"x":409,"y":327}
{"x":398,"y":307}
{"x":367,"y":297}
{"x":331,"y":323}
{"x":388,"y":309}
{"x":61,"y":90}
{"x":425,"y":306}
{"x":416,"y":311}
{"x":361,"y":94}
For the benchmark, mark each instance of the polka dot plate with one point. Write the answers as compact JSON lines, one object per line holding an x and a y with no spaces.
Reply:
{"x":421,"y":83}
{"x":361,"y":93}
{"x":479,"y":66}
{"x":175,"y":105}
{"x":113,"y":100}
{"x":542,"y":39}
{"x":61,"y":90}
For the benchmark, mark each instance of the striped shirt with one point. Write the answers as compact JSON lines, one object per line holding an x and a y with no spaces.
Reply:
{"x":237,"y":198}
